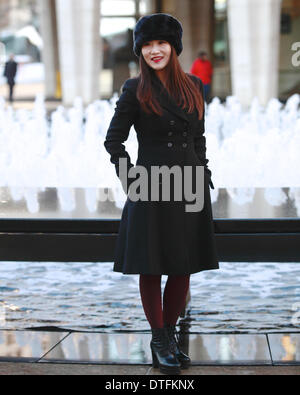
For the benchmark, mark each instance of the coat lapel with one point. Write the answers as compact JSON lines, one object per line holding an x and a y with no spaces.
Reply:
{"x":166,"y":101}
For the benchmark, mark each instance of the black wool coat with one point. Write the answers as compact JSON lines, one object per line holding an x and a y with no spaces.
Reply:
{"x":162,"y":237}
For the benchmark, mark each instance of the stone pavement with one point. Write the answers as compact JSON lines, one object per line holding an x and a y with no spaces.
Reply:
{"x":7,"y":368}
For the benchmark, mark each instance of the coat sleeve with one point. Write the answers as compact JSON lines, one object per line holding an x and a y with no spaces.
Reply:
{"x":125,"y":114}
{"x":200,"y":142}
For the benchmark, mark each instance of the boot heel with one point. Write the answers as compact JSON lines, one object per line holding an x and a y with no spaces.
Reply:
{"x":155,"y":363}
{"x":185,"y":365}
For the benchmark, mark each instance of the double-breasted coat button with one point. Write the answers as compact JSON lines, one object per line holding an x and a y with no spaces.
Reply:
{"x":172,"y":123}
{"x":184,"y":145}
{"x":184,"y":134}
{"x":170,"y":134}
{"x":170,"y":145}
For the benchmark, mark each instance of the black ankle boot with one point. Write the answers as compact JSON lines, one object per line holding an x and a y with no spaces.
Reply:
{"x":184,"y":360}
{"x":162,"y":357}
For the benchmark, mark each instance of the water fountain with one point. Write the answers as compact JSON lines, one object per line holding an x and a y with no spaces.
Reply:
{"x":258,"y":148}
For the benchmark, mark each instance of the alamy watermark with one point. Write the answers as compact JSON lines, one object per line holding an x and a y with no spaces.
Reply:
{"x":182,"y":187}
{"x":296,"y":56}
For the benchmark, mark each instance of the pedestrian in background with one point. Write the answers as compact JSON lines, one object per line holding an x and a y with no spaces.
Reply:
{"x":203,"y":69}
{"x":10,"y":72}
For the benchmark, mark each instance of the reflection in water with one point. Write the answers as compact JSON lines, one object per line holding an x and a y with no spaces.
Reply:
{"x":103,"y":347}
{"x":28,"y":344}
{"x":134,"y":348}
{"x":228,"y":348}
{"x":10,"y":347}
{"x":289,"y":347}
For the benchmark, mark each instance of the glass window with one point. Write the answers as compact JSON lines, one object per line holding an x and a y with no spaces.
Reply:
{"x":117,"y":7}
{"x":111,"y":26}
{"x":221,"y":51}
{"x":220,"y":5}
{"x":221,"y":42}
{"x":143,"y":7}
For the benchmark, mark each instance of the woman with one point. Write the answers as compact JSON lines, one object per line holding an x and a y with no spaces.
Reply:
{"x":158,"y":237}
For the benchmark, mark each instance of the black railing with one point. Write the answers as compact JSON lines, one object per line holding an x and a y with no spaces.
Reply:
{"x":238,"y":240}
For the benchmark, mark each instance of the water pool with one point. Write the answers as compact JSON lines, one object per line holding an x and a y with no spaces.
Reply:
{"x":240,"y":297}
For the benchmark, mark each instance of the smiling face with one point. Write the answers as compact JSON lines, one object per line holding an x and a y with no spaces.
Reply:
{"x":157,"y":54}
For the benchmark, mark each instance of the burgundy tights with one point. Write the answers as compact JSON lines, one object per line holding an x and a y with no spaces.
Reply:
{"x":174,"y":298}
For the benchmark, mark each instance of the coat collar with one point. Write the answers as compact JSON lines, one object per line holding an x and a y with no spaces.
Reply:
{"x":166,"y":101}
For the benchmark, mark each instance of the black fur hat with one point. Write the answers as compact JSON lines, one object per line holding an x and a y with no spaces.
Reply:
{"x":157,"y":27}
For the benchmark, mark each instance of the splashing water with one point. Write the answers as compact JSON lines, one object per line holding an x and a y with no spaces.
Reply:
{"x":251,"y":149}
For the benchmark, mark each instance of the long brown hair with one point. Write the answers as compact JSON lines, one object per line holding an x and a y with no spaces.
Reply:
{"x":179,"y":85}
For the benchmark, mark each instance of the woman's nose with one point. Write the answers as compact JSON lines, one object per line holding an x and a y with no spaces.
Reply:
{"x":154,"y":48}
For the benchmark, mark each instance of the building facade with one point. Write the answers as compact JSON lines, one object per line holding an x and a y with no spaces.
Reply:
{"x":87,"y":44}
